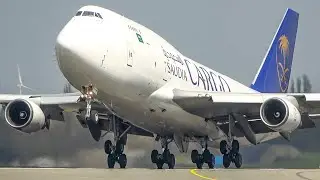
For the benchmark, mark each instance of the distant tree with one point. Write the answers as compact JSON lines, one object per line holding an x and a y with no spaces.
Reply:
{"x":298,"y":84}
{"x":292,"y":88}
{"x":301,"y":85}
{"x":306,"y":84}
{"x":67,"y":88}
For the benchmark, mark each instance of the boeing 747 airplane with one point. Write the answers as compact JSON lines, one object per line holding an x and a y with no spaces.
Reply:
{"x":132,"y":81}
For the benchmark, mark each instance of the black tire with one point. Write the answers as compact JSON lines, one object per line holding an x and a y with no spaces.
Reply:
{"x":154,"y":156}
{"x":235,"y":146}
{"x":212,"y":162}
{"x":238,"y":160}
{"x":206,"y":155}
{"x":226,"y":161}
{"x":119,"y":148}
{"x":122,"y":161}
{"x":166,"y":155}
{"x":111,"y":161}
{"x":94,"y":116}
{"x":194,"y":156}
{"x":160,"y":164}
{"x":171,"y":161}
{"x":223,"y":147}
{"x":199,"y":164}
{"x":108,"y":147}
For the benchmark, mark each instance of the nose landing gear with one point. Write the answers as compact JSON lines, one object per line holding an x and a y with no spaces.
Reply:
{"x":88,"y":93}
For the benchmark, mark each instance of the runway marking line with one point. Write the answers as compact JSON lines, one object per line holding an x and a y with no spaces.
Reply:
{"x":194,"y":172}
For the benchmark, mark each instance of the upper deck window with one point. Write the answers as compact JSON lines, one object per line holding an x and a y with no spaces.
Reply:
{"x":79,"y":13}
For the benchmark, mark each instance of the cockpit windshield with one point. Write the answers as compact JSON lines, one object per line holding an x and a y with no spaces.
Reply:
{"x":89,"y":13}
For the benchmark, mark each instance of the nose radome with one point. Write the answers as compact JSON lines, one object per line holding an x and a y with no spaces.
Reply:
{"x":66,"y":41}
{"x":79,"y":38}
{"x":77,"y":46}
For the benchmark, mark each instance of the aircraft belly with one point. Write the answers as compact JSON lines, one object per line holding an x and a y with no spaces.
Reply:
{"x":172,"y":121}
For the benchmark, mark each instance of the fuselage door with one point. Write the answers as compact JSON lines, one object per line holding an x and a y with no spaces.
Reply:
{"x":130,"y":55}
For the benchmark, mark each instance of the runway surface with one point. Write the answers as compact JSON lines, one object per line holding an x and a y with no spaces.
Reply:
{"x":155,"y":174}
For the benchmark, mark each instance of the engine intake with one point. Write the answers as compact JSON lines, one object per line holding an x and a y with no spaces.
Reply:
{"x":281,"y":114}
{"x":24,"y":115}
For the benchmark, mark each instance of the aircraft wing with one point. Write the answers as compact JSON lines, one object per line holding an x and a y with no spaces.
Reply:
{"x":209,"y":104}
{"x":53,"y":106}
{"x":216,"y":106}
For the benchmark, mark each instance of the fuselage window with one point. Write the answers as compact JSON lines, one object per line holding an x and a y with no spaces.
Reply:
{"x":88,"y":13}
{"x":79,"y":13}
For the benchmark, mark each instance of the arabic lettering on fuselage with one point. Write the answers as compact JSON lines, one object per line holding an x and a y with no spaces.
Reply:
{"x":210,"y":80}
{"x":170,"y":55}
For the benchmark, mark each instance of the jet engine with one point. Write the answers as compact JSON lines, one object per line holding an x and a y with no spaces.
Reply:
{"x":281,"y":114}
{"x":24,"y":115}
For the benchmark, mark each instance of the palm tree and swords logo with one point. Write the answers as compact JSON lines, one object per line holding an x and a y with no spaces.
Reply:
{"x":282,"y":65}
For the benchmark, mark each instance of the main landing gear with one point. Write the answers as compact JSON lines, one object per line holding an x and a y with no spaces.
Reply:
{"x":165,"y":157}
{"x":114,"y":151}
{"x":206,"y":156}
{"x":231,"y":153}
{"x":230,"y":148}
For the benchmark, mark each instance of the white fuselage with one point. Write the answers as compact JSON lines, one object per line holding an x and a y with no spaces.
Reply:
{"x":107,"y":53}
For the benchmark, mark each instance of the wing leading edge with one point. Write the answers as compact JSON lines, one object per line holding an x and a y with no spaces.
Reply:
{"x":53,"y":106}
{"x":217,"y":106}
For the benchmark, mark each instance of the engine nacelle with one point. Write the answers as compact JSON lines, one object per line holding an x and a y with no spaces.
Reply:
{"x":24,"y":115}
{"x":281,"y":114}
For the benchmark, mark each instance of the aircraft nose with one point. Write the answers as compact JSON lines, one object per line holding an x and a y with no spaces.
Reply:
{"x":67,"y":42}
{"x":77,"y":42}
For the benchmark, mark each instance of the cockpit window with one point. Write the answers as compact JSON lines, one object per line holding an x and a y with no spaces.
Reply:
{"x":88,"y":13}
{"x":99,"y":15}
{"x":79,"y":13}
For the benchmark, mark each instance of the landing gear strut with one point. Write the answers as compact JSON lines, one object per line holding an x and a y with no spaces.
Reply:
{"x":165,"y":157}
{"x":88,"y":93}
{"x":230,"y":148}
{"x":116,"y":152}
{"x":88,"y":116}
{"x":205,"y":157}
